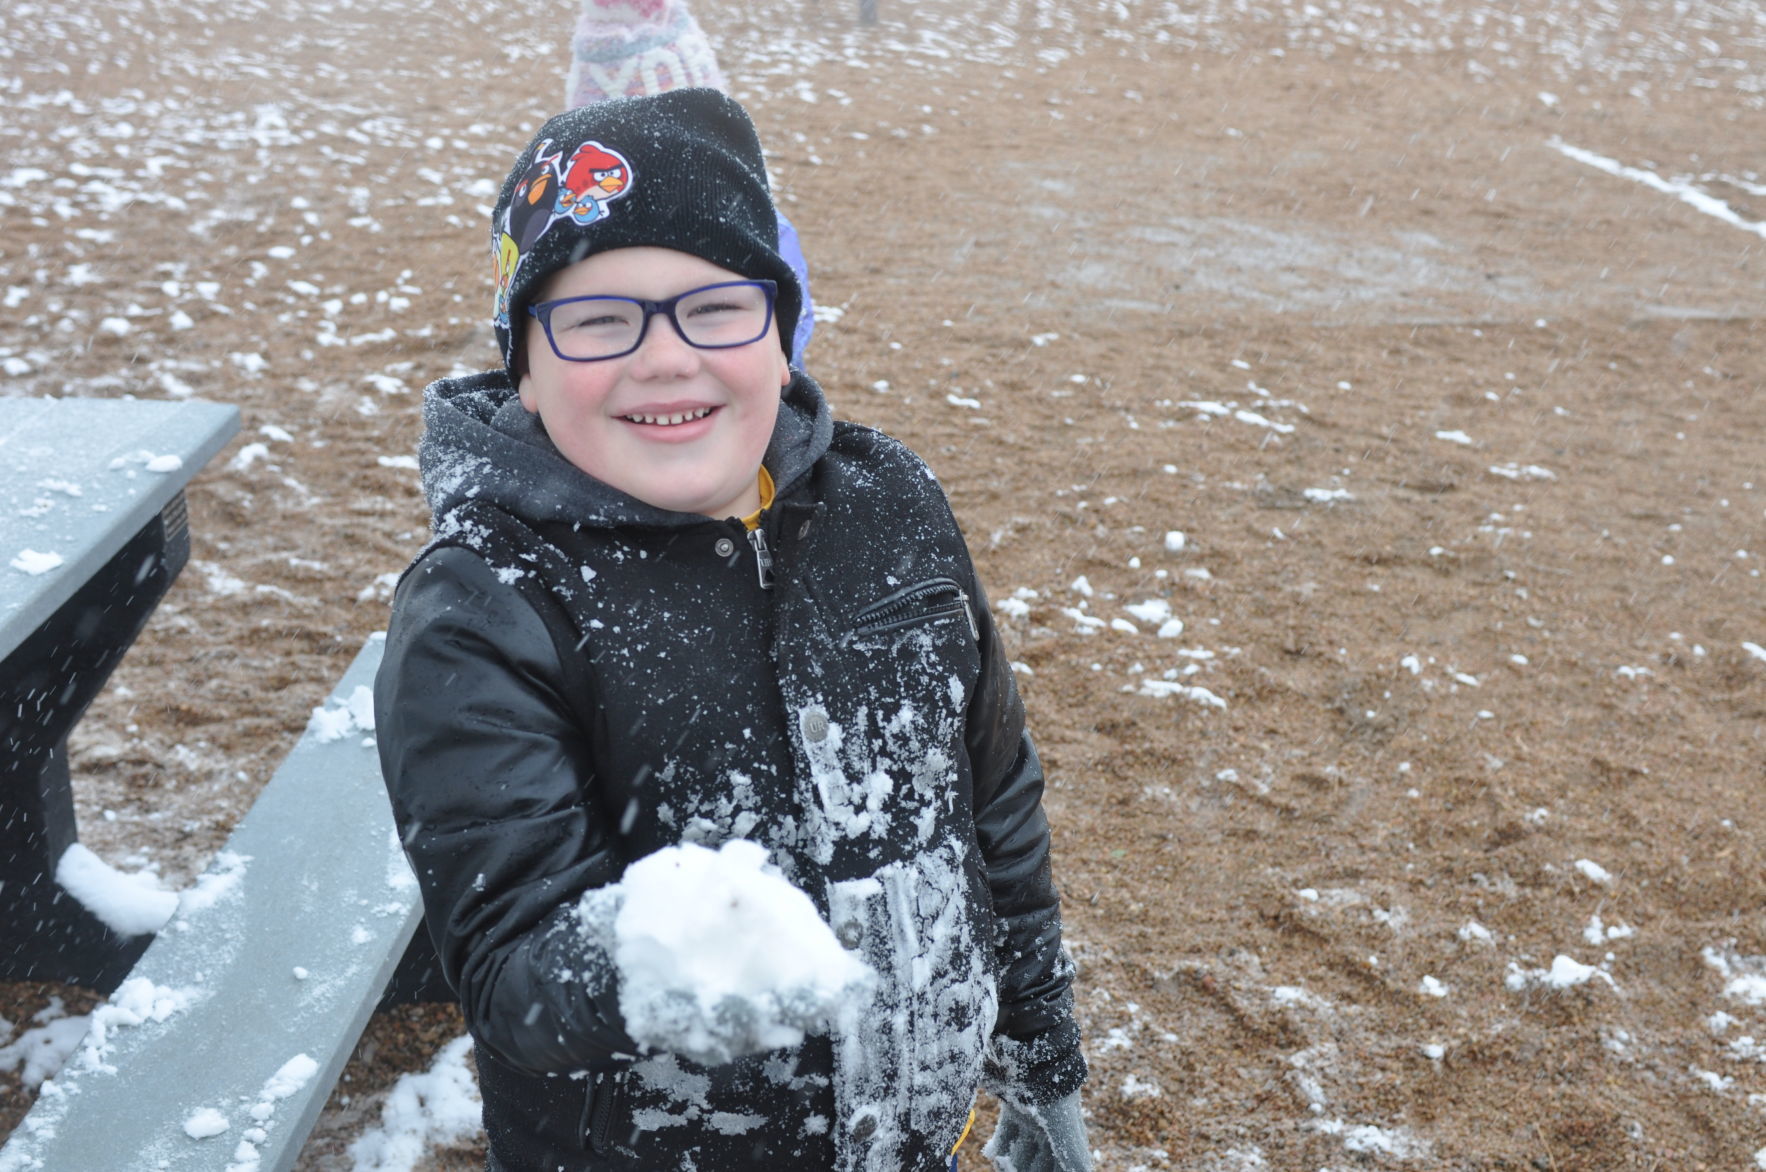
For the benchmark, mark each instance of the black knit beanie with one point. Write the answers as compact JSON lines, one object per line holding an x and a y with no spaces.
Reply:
{"x":680,"y":170}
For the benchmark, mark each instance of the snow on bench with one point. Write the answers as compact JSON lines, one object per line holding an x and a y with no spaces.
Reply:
{"x":222,"y":1045}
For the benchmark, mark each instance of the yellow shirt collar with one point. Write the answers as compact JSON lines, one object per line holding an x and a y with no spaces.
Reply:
{"x":752,"y":521}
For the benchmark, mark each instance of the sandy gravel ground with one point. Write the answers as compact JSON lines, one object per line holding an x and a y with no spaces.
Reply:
{"x":1432,"y":328}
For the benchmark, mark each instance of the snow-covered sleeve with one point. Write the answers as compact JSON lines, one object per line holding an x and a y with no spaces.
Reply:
{"x":486,"y":765}
{"x":1035,"y":1056}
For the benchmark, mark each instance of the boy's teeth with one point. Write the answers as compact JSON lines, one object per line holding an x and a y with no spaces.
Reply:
{"x":671,"y":420}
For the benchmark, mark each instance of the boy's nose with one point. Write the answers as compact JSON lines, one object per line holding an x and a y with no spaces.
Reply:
{"x":663,"y":352}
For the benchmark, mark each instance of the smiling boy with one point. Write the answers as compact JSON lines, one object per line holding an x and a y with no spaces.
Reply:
{"x":673,"y":424}
{"x":669,"y":599}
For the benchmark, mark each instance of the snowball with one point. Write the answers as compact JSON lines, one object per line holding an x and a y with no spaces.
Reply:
{"x":719,"y":956}
{"x":1174,"y":542}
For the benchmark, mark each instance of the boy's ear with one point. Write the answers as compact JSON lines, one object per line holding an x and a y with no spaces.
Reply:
{"x":524,"y":389}
{"x":784,"y":371}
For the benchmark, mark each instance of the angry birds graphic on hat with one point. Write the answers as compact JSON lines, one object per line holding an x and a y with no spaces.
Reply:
{"x":553,"y":190}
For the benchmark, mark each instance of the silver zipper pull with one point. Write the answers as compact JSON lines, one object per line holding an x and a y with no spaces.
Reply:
{"x":763,"y":559}
{"x":969,"y":613}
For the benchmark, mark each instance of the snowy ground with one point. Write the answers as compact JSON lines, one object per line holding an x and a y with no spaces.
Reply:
{"x":1356,"y":410}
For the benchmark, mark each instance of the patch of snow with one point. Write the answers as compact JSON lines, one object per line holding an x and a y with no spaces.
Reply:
{"x":129,"y":904}
{"x":1565,"y":973}
{"x":1594,"y":871}
{"x":1194,"y":693}
{"x":1686,"y":193}
{"x":1153,"y":611}
{"x":341,"y":718}
{"x":1519,"y":472}
{"x":136,"y":1002}
{"x":1748,"y":988}
{"x":1398,"y":1143}
{"x":221,"y":880}
{"x":205,"y":1123}
{"x":1134,"y":1087}
{"x":39,"y":1053}
{"x":33,"y":562}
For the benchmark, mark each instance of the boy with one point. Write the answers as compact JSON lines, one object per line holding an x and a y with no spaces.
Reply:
{"x":669,"y":600}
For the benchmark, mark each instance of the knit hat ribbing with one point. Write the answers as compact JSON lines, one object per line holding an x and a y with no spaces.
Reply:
{"x":680,"y":170}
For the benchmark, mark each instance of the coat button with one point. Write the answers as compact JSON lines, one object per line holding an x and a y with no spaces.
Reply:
{"x":864,"y":1127}
{"x":815,"y":726}
{"x":850,"y":934}
{"x":803,"y":531}
{"x":724,"y":547}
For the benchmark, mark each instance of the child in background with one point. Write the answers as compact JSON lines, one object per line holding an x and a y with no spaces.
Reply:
{"x":669,"y":599}
{"x":625,"y":48}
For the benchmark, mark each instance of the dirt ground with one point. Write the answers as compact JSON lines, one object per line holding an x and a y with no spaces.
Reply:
{"x":1444,"y":441}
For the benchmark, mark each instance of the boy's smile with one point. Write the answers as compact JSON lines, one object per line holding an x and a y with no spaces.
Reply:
{"x":675,"y":426}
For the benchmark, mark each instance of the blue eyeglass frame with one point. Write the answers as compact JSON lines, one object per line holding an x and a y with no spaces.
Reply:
{"x":543,"y":311}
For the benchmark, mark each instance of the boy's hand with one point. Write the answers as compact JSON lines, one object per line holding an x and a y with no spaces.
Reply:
{"x":1049,"y":1138}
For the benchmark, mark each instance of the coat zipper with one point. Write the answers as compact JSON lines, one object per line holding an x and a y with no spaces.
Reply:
{"x":763,"y":557}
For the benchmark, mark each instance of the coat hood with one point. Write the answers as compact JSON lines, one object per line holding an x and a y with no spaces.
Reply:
{"x":479,"y":443}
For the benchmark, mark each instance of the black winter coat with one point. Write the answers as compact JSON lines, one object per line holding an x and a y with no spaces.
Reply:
{"x":573,"y":680}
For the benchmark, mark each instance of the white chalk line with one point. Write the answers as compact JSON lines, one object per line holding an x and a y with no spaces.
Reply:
{"x":1685,"y":192}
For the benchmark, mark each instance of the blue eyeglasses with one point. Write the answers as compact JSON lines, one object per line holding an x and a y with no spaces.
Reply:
{"x":712,"y":317}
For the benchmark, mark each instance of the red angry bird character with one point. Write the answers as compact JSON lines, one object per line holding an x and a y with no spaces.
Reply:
{"x":594,"y":178}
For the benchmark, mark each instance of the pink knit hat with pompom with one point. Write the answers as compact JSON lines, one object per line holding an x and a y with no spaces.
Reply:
{"x":625,"y":48}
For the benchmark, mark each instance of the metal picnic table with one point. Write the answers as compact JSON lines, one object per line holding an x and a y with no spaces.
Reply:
{"x":93,"y":529}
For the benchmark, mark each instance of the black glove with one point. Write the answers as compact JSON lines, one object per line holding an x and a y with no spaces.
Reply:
{"x":1049,"y":1138}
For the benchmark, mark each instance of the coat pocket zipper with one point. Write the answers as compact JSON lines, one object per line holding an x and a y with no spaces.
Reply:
{"x":599,"y":1111}
{"x":935,"y":598}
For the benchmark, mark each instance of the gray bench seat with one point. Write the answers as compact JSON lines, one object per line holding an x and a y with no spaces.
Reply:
{"x":222,"y":1045}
